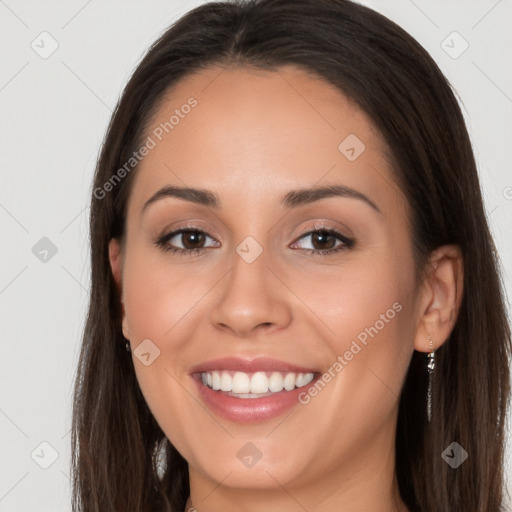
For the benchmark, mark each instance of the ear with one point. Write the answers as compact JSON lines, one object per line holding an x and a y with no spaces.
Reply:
{"x":440,"y":298}
{"x":115,"y":255}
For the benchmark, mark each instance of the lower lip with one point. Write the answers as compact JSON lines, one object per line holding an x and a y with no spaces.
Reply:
{"x":249,"y":410}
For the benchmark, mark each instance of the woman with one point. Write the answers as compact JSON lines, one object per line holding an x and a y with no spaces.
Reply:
{"x":295,"y":299}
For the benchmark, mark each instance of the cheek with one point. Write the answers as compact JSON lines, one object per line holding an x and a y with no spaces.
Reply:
{"x":368,"y":311}
{"x":363,"y":298}
{"x":158,"y":307}
{"x":157,"y":296}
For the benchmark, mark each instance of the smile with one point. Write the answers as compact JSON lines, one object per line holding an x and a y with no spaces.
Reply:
{"x":249,"y":390}
{"x":254,"y":385}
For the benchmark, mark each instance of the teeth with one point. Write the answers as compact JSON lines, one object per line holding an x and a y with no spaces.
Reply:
{"x":215,"y":381}
{"x":289,"y":382}
{"x":259,"y":383}
{"x":247,"y":385}
{"x":275,"y":383}
{"x":226,"y":382}
{"x":240,"y":383}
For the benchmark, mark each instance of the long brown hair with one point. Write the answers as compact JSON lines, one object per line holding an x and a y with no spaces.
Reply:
{"x":121,"y":459}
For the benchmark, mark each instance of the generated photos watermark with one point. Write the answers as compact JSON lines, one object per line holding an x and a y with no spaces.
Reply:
{"x":343,"y":360}
{"x":151,"y":142}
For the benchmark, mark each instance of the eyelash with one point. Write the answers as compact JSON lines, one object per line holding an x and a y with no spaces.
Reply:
{"x":163,"y":240}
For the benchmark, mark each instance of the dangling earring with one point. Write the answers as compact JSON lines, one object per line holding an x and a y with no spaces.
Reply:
{"x":127,"y":342}
{"x":431,"y":366}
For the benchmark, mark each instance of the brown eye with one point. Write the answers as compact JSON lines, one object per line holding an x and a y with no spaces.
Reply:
{"x":324,"y":241}
{"x":192,"y":239}
{"x":185,"y":241}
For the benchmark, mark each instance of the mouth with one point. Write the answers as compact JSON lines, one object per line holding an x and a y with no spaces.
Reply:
{"x":251,"y":390}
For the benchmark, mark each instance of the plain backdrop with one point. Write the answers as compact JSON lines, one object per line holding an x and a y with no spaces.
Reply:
{"x":54,"y":109}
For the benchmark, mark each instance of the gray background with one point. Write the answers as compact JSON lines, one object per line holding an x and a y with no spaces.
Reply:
{"x":54,"y":113}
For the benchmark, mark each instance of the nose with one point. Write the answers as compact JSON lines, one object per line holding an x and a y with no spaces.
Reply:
{"x":251,"y":299}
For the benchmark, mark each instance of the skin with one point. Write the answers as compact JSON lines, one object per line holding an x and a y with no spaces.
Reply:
{"x":254,"y":136}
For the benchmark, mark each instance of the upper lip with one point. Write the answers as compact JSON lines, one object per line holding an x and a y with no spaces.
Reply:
{"x":249,"y":365}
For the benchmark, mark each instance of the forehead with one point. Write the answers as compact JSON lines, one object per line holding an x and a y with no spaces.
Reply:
{"x":243,"y":132}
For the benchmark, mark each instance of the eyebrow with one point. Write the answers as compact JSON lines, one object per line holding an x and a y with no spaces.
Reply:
{"x":292,"y":199}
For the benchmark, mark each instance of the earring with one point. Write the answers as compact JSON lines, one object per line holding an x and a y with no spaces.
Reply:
{"x":128,"y":346}
{"x":430,"y":366}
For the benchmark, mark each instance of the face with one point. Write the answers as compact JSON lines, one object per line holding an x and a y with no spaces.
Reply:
{"x":252,"y":284}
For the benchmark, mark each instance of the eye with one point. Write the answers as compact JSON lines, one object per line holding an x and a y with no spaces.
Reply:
{"x":324,"y":241}
{"x":192,"y":240}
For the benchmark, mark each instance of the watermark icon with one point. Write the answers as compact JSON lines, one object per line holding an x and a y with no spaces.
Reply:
{"x":157,"y":135}
{"x":44,"y":250}
{"x":351,"y":147}
{"x":44,"y":45}
{"x":343,"y":360}
{"x":507,"y":193}
{"x":249,"y":249}
{"x":44,"y":455}
{"x":249,"y":455}
{"x":454,"y":455}
{"x":454,"y":45}
{"x":146,"y":352}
